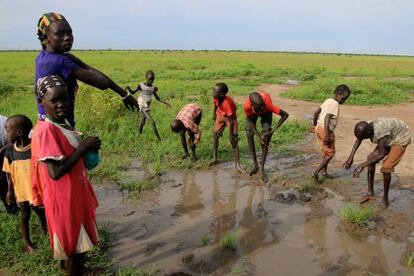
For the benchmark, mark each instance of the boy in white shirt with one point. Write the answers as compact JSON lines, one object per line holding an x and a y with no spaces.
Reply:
{"x":325,"y":120}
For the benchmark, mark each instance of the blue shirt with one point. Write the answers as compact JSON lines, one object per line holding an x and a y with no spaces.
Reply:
{"x":47,"y":64}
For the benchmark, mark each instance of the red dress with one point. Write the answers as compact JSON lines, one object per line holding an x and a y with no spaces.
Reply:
{"x":70,"y":202}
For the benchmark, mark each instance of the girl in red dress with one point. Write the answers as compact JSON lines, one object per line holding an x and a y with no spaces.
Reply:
{"x":60,"y":180}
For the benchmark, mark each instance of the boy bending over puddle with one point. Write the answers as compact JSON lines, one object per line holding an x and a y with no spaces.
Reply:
{"x":392,"y":137}
{"x":260,"y":105}
{"x":187,"y":121}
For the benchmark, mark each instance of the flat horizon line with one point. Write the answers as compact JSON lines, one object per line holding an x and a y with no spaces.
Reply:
{"x":221,"y":50}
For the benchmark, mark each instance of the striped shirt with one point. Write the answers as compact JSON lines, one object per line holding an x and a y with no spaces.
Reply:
{"x":187,"y":116}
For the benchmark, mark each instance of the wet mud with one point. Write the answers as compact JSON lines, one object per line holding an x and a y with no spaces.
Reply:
{"x":218,"y":222}
{"x":180,"y":226}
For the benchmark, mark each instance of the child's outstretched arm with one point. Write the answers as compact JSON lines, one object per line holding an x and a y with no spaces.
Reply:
{"x":96,"y":78}
{"x":377,"y":155}
{"x":133,"y":91}
{"x":253,"y":127}
{"x":57,"y":169}
{"x":283,"y":117}
{"x":348,"y":163}
{"x":159,"y":99}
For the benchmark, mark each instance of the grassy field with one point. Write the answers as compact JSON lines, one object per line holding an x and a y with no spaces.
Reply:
{"x":188,"y":76}
{"x":182,"y":77}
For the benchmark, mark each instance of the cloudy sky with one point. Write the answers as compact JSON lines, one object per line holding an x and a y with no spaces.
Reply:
{"x":356,"y":26}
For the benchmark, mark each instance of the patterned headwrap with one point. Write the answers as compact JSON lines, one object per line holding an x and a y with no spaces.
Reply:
{"x":44,"y":22}
{"x":43,"y":84}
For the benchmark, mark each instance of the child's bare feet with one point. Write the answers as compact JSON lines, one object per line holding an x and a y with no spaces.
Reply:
{"x":366,"y":198}
{"x":327,"y":176}
{"x":263,"y":177}
{"x":240,"y":169}
{"x":254,"y":170}
{"x":185,"y":156}
{"x":315,"y":178}
{"x":64,"y":265}
{"x":30,"y":249}
{"x":385,"y":204}
{"x":214,"y":162}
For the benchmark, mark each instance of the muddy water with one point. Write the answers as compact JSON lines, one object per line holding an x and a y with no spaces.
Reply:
{"x":167,"y":226}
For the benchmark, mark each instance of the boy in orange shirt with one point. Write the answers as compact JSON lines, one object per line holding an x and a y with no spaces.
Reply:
{"x":260,"y":105}
{"x":225,"y":115}
{"x":16,"y":165}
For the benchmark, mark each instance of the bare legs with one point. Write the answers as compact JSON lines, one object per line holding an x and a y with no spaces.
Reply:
{"x":190,"y":142}
{"x":144,"y":117}
{"x":25,"y":214}
{"x":76,"y":265}
{"x":252,"y":149}
{"x":234,"y":144}
{"x":370,"y":179}
{"x":323,"y":167}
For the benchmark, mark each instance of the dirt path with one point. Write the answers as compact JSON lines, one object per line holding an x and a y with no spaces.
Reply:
{"x":349,"y":115}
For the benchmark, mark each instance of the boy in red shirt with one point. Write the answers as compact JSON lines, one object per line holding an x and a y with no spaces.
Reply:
{"x":225,"y":115}
{"x":260,"y":105}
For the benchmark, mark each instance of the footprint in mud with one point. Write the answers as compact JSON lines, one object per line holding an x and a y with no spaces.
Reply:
{"x":129,"y":214}
{"x":291,"y":196}
{"x":187,"y":258}
{"x":152,"y":247}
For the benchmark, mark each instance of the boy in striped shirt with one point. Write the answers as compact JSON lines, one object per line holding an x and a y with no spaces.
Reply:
{"x":187,"y":121}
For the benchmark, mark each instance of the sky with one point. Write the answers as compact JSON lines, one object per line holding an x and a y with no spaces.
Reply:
{"x":352,"y":26}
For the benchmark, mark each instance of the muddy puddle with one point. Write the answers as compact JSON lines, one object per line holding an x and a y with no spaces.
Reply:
{"x":182,"y":225}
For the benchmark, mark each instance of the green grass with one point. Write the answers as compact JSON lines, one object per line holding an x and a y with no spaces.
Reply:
{"x":356,"y":215}
{"x":364,"y":92}
{"x":136,"y":187}
{"x":184,"y":76}
{"x":229,"y":241}
{"x":238,"y":269}
{"x":16,"y":262}
{"x":133,"y":271}
{"x":305,"y":186}
{"x":410,"y":262}
{"x":205,"y":239}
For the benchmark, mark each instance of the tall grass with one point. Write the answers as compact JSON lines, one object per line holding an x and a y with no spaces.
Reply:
{"x":364,"y":92}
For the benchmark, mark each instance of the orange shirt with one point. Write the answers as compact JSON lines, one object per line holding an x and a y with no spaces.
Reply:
{"x":227,"y":108}
{"x":17,"y":163}
{"x":268,"y":106}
